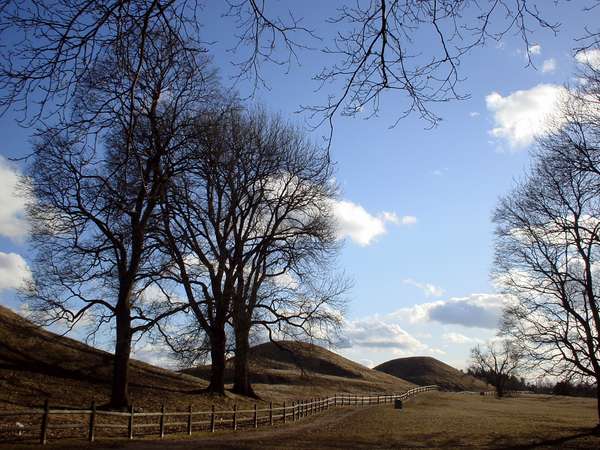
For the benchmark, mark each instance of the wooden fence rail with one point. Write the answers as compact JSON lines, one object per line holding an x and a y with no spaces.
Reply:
{"x":506,"y":393}
{"x":190,"y":420}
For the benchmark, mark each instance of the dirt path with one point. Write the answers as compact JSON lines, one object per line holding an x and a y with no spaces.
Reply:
{"x":261,"y":438}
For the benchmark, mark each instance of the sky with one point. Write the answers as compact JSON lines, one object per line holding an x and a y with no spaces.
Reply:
{"x":416,"y":203}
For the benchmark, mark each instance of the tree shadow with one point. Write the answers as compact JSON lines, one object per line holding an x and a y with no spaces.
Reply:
{"x":549,"y":443}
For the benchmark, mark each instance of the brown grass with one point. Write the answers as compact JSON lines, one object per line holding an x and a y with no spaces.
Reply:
{"x":36,"y":365}
{"x":292,"y":370}
{"x":432,"y":420}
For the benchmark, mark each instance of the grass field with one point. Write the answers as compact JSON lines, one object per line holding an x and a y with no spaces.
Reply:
{"x":431,"y":420}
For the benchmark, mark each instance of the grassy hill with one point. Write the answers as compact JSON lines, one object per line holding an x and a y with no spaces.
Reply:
{"x":424,"y":370}
{"x":36,"y":364}
{"x":286,"y":367}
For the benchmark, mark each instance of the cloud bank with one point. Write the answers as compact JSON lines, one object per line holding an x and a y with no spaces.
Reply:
{"x":475,"y":310}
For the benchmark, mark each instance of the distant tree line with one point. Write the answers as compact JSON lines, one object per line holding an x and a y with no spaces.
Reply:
{"x":511,"y":382}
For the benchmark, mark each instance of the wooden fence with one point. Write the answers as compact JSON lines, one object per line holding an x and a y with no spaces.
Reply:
{"x":507,"y":393}
{"x":90,"y":421}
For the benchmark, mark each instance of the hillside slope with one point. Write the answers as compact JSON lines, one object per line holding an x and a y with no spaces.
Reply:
{"x":286,"y":366}
{"x":36,"y":364}
{"x":424,"y":370}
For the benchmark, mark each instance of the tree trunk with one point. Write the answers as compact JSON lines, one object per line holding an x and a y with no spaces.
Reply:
{"x":500,"y":386}
{"x":598,"y":403}
{"x":217,"y":357}
{"x":241,"y":381}
{"x":120,"y":386}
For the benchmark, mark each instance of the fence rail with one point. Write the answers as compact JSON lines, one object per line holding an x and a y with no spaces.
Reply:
{"x":185,"y":421}
{"x":506,"y":393}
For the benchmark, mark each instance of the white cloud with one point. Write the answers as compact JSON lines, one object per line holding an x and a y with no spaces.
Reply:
{"x":458,"y":338}
{"x":590,"y":57}
{"x":12,"y":206}
{"x":474,"y":114}
{"x":155,"y":353}
{"x":358,"y":224}
{"x":408,"y":220}
{"x":522,"y":115}
{"x":549,"y":65}
{"x":378,"y":334}
{"x":430,"y":290}
{"x":535,"y":49}
{"x":14,"y":271}
{"x":475,"y":310}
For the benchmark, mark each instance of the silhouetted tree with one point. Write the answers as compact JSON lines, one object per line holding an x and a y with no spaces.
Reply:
{"x":251,"y":231}
{"x":94,"y":202}
{"x":499,"y":360}
{"x":547,"y":249}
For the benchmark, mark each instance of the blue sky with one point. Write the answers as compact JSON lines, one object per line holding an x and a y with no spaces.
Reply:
{"x":416,"y":203}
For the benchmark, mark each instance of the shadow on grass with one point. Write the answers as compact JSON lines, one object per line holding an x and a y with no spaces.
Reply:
{"x":553,"y":443}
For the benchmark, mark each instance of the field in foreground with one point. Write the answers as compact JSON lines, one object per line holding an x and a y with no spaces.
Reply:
{"x":431,"y":420}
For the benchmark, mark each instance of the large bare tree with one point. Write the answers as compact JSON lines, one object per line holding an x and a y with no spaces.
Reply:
{"x":250,"y":229}
{"x":94,"y":198}
{"x":548,"y":244}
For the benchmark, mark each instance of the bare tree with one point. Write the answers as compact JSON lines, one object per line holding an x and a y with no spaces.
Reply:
{"x":249,"y":227}
{"x":94,"y":203}
{"x":547,"y":248}
{"x":377,"y":47}
{"x":499,"y":361}
{"x":199,"y":215}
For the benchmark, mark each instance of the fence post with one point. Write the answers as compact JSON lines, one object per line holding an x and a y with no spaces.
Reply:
{"x":44,"y":429}
{"x":189,"y":424}
{"x":130,"y":422}
{"x":293,"y":411}
{"x":283,"y":412}
{"x":234,"y":418}
{"x":334,"y":400}
{"x":270,"y":413}
{"x":162,"y":421}
{"x":255,"y":417}
{"x":91,"y":431}
{"x":212,"y":419}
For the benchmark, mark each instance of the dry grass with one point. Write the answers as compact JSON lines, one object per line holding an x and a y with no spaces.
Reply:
{"x":36,"y":365}
{"x":292,"y":370}
{"x":432,"y":420}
